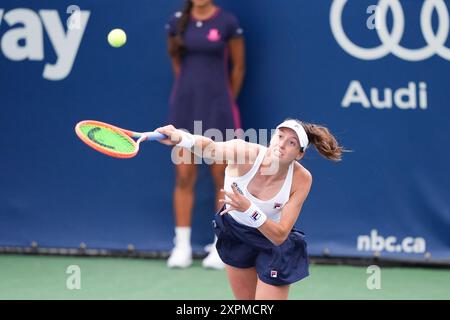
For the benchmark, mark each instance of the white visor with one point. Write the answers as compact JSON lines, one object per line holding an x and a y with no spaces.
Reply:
{"x":299,"y":130}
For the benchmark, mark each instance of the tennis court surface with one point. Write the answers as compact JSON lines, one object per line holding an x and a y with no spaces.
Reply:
{"x":46,"y":277}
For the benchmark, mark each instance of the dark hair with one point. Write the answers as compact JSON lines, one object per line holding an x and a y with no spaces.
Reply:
{"x":177,"y":47}
{"x":325,"y":143}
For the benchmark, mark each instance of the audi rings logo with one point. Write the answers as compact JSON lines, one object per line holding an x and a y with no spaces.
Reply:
{"x":390,"y":41}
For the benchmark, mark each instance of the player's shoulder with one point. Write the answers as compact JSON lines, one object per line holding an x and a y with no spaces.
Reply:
{"x":246,"y":152}
{"x":301,"y":176}
{"x":249,"y":147}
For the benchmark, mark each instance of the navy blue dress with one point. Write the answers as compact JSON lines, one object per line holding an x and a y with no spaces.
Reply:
{"x":202,"y":90}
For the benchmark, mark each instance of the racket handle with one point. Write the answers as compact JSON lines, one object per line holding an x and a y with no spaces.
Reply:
{"x":152,"y":136}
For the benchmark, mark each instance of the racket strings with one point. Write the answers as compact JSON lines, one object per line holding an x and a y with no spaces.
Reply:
{"x":91,"y":136}
{"x":108,"y":138}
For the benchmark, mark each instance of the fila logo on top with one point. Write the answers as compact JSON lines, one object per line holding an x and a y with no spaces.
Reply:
{"x":390,"y":42}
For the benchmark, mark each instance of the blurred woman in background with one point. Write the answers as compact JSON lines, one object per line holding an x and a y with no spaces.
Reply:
{"x":206,"y":47}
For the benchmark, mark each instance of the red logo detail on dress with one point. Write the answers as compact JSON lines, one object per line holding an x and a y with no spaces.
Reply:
{"x":273,"y":273}
{"x":277,"y":205}
{"x":213,"y":35}
{"x":255,"y":215}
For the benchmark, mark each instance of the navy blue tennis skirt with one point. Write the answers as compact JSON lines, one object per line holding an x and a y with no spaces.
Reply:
{"x":245,"y":247}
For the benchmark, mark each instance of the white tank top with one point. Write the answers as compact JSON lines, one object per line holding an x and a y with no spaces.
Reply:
{"x":272,"y":207}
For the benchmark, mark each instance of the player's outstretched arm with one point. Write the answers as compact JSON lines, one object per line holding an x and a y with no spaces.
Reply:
{"x":236,"y":151}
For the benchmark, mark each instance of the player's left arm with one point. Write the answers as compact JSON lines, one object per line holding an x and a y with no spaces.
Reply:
{"x":277,"y":233}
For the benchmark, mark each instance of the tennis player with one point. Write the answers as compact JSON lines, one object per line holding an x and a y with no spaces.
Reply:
{"x":265,"y":189}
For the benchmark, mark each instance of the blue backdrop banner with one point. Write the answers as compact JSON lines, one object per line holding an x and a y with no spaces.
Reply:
{"x":376,"y":73}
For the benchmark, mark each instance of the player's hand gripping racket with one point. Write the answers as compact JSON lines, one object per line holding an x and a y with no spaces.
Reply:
{"x":111,"y":140}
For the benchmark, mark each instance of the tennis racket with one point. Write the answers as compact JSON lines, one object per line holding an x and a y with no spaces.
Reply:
{"x":111,"y":140}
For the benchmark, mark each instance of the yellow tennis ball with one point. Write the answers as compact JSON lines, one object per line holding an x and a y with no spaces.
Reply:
{"x":117,"y":38}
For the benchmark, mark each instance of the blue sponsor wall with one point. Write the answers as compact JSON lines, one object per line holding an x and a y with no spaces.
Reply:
{"x":382,"y":88}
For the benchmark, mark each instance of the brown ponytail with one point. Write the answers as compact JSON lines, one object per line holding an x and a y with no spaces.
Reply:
{"x":325,"y":143}
{"x":177,"y":47}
